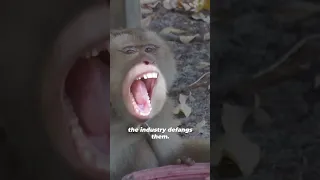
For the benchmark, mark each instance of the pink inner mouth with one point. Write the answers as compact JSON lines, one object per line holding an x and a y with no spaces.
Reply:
{"x":138,"y":90}
{"x":87,"y":87}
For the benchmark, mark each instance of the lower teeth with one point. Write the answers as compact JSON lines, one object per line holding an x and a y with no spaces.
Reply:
{"x":140,"y":106}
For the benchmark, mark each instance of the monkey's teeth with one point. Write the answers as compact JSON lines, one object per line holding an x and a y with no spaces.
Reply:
{"x":148,"y":75}
{"x":96,"y":51}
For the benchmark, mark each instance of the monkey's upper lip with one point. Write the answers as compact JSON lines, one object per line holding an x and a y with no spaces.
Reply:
{"x":138,"y":89}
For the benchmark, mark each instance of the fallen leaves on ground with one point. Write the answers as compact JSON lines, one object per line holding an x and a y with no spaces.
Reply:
{"x":199,"y":126}
{"x":169,"y":30}
{"x":146,"y":21}
{"x":203,"y":65}
{"x":187,"y":39}
{"x":182,"y":106}
{"x":206,"y":36}
{"x":147,"y":6}
{"x":201,"y":16}
{"x":194,"y":6}
{"x":234,"y":144}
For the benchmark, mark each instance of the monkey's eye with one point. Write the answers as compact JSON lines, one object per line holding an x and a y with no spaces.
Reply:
{"x":150,"y":48}
{"x":129,"y":50}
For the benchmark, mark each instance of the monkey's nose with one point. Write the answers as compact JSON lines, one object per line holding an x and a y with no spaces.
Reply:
{"x":147,"y":61}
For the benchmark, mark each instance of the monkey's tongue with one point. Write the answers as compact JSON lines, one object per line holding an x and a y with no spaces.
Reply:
{"x":141,"y":96}
{"x":88,"y":88}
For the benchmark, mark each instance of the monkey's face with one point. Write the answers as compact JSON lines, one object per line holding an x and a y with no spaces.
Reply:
{"x":76,"y":92}
{"x":141,"y":69}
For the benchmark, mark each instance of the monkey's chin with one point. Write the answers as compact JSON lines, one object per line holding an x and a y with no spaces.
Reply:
{"x":87,"y":33}
{"x":138,"y":88}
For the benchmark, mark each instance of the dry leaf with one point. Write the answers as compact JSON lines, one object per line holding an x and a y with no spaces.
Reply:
{"x":183,"y":99}
{"x":190,"y":97}
{"x":154,"y":4}
{"x":187,"y":39}
{"x":146,"y":21}
{"x":206,"y":19}
{"x":203,"y":65}
{"x":167,"y":5}
{"x":146,"y":11}
{"x":317,"y":81}
{"x":243,"y":152}
{"x":185,"y":109}
{"x":201,"y":16}
{"x":261,"y":117}
{"x":176,"y":110}
{"x":169,"y":30}
{"x":200,"y":125}
{"x":206,"y":5}
{"x":186,"y":6}
{"x":196,"y":16}
{"x":206,"y":36}
{"x":233,"y":117}
{"x":148,"y":1}
{"x":170,"y":4}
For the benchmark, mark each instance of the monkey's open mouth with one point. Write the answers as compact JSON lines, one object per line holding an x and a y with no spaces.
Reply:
{"x":87,"y":90}
{"x":75,"y":92}
{"x":141,"y":93}
{"x":138,"y":89}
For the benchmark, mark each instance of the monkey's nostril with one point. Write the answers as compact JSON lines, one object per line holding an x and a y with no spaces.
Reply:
{"x":146,"y":62}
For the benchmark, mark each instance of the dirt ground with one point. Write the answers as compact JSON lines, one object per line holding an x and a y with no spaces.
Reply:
{"x":189,"y":57}
{"x":250,"y":36}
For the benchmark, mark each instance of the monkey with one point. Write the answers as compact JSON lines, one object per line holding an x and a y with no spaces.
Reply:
{"x":40,"y":44}
{"x":142,"y":70}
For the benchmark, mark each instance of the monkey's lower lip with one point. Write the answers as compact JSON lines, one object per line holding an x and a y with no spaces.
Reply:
{"x":138,"y":89}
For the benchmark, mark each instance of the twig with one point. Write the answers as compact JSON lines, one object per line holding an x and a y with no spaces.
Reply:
{"x":293,"y":50}
{"x":193,"y":85}
{"x":201,"y":77}
{"x":277,"y":72}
